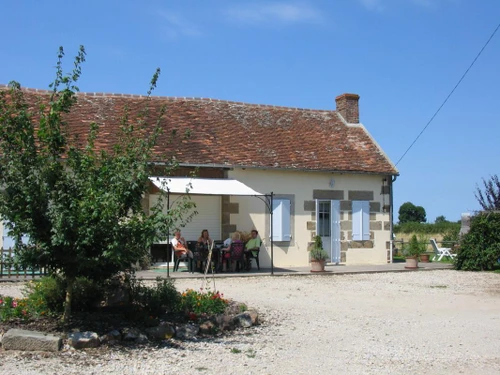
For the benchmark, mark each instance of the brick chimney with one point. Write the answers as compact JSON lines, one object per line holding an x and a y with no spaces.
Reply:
{"x":347,"y":106}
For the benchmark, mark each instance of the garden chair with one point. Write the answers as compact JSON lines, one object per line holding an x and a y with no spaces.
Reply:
{"x":440,"y":252}
{"x":253,"y":254}
{"x":183,"y":258}
{"x":237,"y":255}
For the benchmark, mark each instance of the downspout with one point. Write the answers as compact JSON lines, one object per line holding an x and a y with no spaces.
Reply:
{"x":271,"y":218}
{"x":391,"y":217}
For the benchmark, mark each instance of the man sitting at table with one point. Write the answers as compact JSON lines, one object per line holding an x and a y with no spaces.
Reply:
{"x":252,"y":245}
{"x":180,"y":246}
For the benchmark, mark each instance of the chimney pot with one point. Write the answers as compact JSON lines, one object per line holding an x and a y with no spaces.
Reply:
{"x":348,"y":107}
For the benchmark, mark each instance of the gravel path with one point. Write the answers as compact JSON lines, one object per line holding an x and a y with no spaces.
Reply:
{"x":433,"y":322}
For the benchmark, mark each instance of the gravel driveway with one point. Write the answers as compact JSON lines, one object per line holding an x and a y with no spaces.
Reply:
{"x":432,"y":322}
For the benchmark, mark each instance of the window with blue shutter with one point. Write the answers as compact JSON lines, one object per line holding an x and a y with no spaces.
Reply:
{"x":281,"y":220}
{"x":360,"y":220}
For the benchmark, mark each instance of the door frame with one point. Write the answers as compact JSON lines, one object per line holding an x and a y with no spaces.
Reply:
{"x":334,"y":228}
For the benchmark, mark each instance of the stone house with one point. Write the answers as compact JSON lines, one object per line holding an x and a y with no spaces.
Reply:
{"x":327,"y":174}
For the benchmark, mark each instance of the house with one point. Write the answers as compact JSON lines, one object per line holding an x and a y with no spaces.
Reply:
{"x":327,"y":175}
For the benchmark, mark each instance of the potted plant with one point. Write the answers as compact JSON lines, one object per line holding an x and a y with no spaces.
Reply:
{"x":318,"y":256}
{"x":412,"y":251}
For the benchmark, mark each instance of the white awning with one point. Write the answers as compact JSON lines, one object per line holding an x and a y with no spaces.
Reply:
{"x":204,"y":186}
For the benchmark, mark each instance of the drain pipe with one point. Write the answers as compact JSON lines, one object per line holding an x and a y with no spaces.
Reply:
{"x":391,"y":217}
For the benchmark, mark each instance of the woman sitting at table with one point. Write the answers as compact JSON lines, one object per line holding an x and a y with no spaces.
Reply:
{"x":202,"y":246}
{"x":204,"y":240}
{"x":226,"y":251}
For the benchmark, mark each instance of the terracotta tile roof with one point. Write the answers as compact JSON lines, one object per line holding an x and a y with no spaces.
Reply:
{"x":236,"y":134}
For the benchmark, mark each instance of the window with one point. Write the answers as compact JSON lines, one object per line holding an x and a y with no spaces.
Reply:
{"x":360,"y":220}
{"x":281,"y":220}
{"x":323,"y":225}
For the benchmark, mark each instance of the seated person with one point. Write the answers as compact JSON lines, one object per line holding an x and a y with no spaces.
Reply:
{"x":254,"y":242}
{"x":226,"y":250}
{"x":227,"y":242}
{"x":252,"y":245}
{"x":203,"y":245}
{"x":180,"y":246}
{"x":204,"y":240}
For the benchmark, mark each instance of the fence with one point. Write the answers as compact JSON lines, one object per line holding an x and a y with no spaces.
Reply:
{"x":8,"y":270}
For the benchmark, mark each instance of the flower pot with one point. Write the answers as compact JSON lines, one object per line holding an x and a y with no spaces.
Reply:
{"x":424,"y":258}
{"x":411,"y":263}
{"x":317,"y":265}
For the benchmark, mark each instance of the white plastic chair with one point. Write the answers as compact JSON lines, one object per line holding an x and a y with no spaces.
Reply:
{"x":440,"y":252}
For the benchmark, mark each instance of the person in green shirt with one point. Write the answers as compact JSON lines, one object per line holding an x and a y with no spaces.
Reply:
{"x":253,"y":246}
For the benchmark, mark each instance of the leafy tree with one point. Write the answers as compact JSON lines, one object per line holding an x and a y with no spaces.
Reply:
{"x":480,"y":247}
{"x":408,"y":212}
{"x":441,"y":219}
{"x":80,"y":206}
{"x":489,"y":199}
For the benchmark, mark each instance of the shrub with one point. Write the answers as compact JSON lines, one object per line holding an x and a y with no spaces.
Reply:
{"x":52,"y":290}
{"x":480,"y":248}
{"x":199,"y":305}
{"x":48,"y":291}
{"x":317,"y":252}
{"x":415,"y":247}
{"x":451,"y":236}
{"x":155,"y":300}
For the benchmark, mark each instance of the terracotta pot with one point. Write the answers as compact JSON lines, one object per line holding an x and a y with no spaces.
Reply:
{"x":411,"y":263}
{"x":317,"y":265}
{"x":424,"y":258}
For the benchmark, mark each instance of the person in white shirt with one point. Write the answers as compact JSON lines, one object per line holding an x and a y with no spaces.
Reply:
{"x":180,"y":245}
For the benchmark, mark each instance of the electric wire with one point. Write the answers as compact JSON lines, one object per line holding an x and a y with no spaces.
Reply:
{"x":449,"y":95}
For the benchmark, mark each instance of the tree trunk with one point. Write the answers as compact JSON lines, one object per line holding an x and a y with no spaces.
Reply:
{"x":67,"y":302}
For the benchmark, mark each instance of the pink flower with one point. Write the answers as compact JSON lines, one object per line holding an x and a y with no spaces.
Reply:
{"x":14,"y":303}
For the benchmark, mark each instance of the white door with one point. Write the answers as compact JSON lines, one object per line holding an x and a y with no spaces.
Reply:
{"x":328,"y":227}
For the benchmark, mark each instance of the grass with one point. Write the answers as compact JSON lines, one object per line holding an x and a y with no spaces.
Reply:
{"x":235,"y":351}
{"x":251,"y":353}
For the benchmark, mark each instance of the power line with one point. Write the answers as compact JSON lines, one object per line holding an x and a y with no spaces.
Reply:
{"x":450,"y":94}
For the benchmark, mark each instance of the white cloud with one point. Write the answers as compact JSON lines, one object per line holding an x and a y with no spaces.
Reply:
{"x":273,"y":13}
{"x":175,"y":25}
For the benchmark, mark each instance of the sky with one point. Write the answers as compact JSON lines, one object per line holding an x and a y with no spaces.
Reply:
{"x":403,"y":57}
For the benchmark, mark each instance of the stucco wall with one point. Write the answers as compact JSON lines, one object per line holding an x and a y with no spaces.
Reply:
{"x":303,"y":187}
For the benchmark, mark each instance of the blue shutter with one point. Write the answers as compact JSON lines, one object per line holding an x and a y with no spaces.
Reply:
{"x":277,"y":229}
{"x":281,"y":220}
{"x":360,"y":220}
{"x":286,"y":227}
{"x":357,"y":220}
{"x":365,"y":207}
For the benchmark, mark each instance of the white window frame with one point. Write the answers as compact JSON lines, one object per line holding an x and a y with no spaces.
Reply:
{"x":360,"y":220}
{"x":282,"y":228}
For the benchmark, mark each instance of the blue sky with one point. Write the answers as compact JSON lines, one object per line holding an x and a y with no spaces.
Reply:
{"x":402,"y":57}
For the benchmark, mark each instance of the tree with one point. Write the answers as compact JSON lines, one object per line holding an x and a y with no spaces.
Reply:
{"x":408,"y":212}
{"x":489,"y":199}
{"x":441,"y":219}
{"x":79,"y":206}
